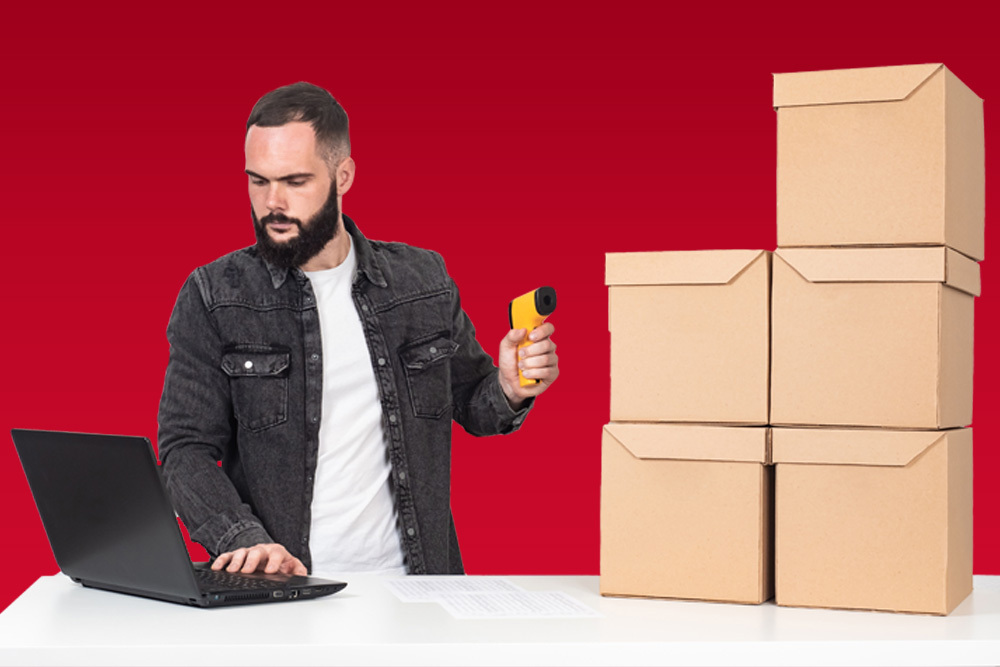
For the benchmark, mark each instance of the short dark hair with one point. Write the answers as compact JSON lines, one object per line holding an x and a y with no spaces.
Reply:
{"x":307,"y":103}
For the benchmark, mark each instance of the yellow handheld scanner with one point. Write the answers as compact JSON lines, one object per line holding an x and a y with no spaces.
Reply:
{"x":528,"y":311}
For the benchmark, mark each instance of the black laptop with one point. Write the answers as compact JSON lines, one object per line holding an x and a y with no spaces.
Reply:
{"x":111,"y":525}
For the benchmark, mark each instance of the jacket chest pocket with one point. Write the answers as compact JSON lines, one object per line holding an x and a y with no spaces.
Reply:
{"x":259,"y":385}
{"x":427,"y":366}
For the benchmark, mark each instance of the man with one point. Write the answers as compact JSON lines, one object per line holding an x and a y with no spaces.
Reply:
{"x":305,"y":422}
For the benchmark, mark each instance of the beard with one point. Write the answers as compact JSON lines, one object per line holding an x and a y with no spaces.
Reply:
{"x":310,"y":241}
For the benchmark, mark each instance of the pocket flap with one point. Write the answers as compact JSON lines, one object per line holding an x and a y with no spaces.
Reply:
{"x":423,"y":354}
{"x":255,"y":364}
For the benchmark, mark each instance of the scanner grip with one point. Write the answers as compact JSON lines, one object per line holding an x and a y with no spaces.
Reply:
{"x":529,"y":311}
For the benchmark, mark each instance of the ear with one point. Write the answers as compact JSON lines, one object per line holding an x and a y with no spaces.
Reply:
{"x":344,"y":175}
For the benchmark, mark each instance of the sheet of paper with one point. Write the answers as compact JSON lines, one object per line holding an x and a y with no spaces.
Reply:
{"x":428,"y":589}
{"x":523,"y":604}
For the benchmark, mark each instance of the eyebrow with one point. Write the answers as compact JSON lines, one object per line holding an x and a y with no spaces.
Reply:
{"x":289,"y":177}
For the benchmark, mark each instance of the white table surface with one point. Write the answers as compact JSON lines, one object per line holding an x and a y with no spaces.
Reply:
{"x":57,"y":622}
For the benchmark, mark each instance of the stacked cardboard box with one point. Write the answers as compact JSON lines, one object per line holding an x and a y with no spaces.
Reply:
{"x":849,"y":369}
{"x":880,"y":156}
{"x":686,"y":492}
{"x":880,"y":225}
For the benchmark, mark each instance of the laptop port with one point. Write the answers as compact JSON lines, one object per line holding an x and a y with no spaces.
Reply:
{"x":293,"y":594}
{"x":278,"y":594}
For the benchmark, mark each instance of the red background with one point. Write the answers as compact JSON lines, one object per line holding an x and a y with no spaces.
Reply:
{"x":521,"y":142}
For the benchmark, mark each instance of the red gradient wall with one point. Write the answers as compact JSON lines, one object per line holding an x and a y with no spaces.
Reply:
{"x":522,"y":144}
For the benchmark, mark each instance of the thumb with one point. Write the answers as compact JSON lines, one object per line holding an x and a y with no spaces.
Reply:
{"x":514,"y":337}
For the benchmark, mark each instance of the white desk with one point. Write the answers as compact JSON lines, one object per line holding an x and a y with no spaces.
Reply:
{"x":56,"y":622}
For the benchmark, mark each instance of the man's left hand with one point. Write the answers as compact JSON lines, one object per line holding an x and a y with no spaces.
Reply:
{"x":537,"y":361}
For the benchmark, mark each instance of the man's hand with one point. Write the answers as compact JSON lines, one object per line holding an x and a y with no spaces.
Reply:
{"x":537,"y":361}
{"x":269,"y":558}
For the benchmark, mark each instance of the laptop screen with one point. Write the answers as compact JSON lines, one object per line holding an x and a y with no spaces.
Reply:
{"x":105,"y":510}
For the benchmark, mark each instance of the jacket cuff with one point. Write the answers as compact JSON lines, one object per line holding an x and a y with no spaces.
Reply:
{"x":243,"y":534}
{"x":510,"y":418}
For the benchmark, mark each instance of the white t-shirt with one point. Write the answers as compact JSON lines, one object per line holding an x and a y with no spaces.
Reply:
{"x":353,"y":525}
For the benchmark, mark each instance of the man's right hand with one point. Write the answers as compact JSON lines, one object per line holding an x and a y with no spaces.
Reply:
{"x":269,"y":558}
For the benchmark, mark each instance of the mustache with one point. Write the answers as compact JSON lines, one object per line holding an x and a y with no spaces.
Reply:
{"x":280,"y":217}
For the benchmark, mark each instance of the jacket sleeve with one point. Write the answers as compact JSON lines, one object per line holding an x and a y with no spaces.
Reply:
{"x":480,"y":406}
{"x":197,"y":428}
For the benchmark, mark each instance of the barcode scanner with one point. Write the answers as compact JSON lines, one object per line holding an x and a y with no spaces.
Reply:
{"x":528,"y":311}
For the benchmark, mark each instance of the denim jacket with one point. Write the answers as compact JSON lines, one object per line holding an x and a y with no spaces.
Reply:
{"x":244,"y":386}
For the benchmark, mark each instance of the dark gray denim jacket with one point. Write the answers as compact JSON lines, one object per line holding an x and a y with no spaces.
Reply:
{"x":244,"y":386}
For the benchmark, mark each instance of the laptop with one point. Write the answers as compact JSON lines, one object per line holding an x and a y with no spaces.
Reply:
{"x":111,"y":525}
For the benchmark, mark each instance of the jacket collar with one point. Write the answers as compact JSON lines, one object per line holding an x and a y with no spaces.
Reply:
{"x":367,"y":262}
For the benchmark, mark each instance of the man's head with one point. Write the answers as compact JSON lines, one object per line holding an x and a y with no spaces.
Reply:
{"x":299,"y":166}
{"x":305,"y":103}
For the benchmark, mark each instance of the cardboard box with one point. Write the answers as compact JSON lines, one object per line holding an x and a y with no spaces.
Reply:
{"x":880,"y":156}
{"x":686,"y":512}
{"x":689,"y":336}
{"x":872,"y":337}
{"x":873,"y":519}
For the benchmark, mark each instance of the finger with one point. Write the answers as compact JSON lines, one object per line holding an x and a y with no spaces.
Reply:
{"x":221,"y":561}
{"x":236,"y":562}
{"x":299,"y":568}
{"x":544,"y":347}
{"x":534,"y":363}
{"x":253,"y":560}
{"x":541,"y":374}
{"x":274,"y":560}
{"x":542,"y":332}
{"x":292,"y":565}
{"x":531,"y":391}
{"x":539,"y":361}
{"x":546,"y":373}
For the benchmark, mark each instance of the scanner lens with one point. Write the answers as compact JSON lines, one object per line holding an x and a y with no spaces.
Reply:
{"x":545,"y":301}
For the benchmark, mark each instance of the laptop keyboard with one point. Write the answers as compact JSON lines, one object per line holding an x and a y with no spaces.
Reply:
{"x":220,"y":579}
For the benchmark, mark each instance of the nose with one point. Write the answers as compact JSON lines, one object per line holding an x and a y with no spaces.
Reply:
{"x":275,"y":198}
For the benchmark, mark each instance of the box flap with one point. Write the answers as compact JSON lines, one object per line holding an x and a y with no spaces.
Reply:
{"x":962,"y":273}
{"x":685,"y":267}
{"x":934,"y":264}
{"x":691,"y":442}
{"x":847,"y":86}
{"x":874,"y":447}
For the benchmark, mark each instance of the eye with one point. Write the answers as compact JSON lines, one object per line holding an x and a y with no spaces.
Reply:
{"x":296,"y":184}
{"x":258,"y":181}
